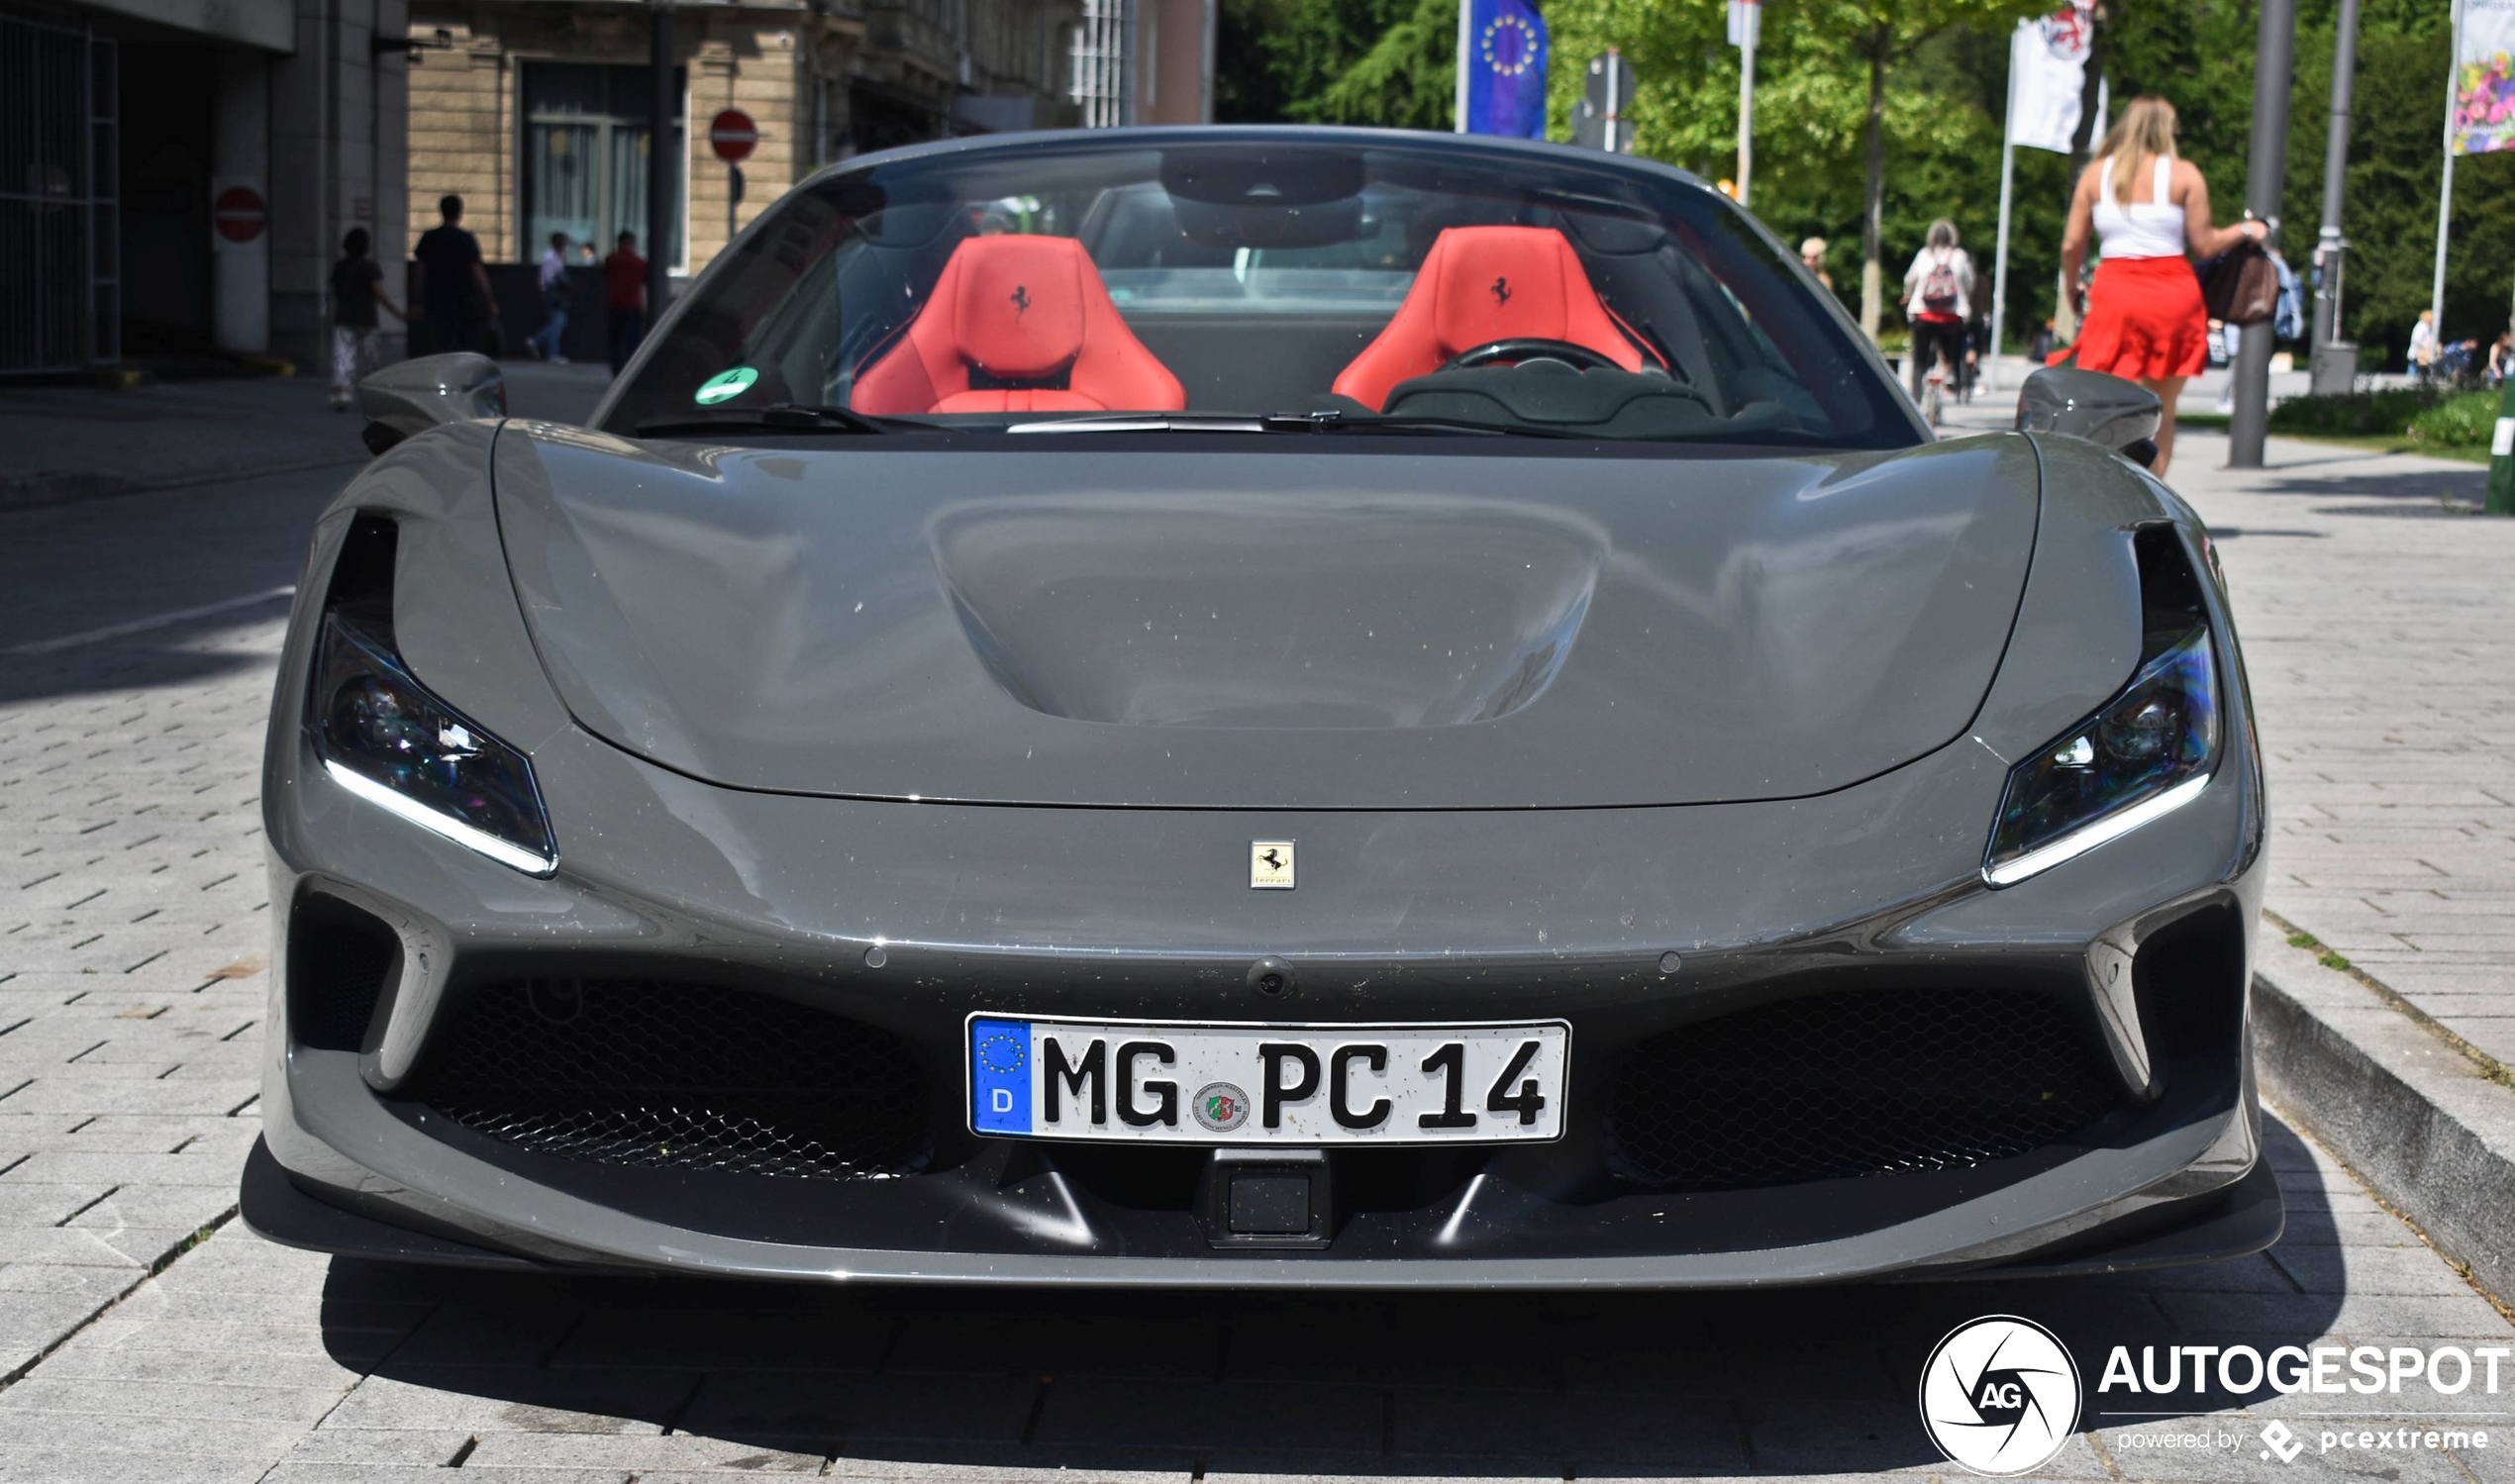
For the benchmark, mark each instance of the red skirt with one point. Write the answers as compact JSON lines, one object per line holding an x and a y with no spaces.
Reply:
{"x":2144,"y":319}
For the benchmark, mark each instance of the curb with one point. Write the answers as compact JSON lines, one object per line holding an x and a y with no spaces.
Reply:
{"x":2411,"y":1114}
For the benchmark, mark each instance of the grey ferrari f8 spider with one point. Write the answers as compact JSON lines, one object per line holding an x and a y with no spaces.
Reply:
{"x":1261,"y":707}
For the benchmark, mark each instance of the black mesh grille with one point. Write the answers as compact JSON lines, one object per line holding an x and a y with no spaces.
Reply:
{"x":681,"y":1076}
{"x":1861,"y":1082}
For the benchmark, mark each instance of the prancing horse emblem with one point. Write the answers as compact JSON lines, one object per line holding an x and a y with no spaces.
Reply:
{"x":1021,"y":300}
{"x":1270,"y":865}
{"x":1501,"y":292}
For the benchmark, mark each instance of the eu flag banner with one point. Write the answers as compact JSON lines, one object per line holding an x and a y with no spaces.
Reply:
{"x":1507,"y":68}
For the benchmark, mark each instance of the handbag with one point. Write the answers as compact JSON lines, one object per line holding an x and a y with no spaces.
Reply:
{"x":2240,"y":286}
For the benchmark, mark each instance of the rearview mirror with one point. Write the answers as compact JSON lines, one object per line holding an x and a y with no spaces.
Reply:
{"x":408,"y":399}
{"x":2121,"y":415}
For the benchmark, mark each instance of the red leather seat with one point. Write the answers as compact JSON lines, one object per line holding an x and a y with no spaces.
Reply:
{"x":1017,"y":324}
{"x":1480,"y":284}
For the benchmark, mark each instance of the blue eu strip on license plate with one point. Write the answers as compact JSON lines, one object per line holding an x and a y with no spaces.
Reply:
{"x":1000,"y":1076}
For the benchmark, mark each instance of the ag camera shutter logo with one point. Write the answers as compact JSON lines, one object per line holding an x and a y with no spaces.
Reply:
{"x":2001,"y":1395}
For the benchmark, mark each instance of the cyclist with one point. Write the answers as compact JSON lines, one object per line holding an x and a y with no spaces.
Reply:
{"x":1938,"y":301}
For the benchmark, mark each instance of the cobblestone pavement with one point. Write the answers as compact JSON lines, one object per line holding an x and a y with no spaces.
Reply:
{"x":144,"y":1334}
{"x":2378,"y":627}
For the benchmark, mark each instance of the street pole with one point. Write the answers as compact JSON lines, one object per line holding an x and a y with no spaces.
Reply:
{"x":1750,"y":22}
{"x":1999,"y":254}
{"x":1459,"y":95}
{"x":2445,"y":188}
{"x":661,"y":165}
{"x":1999,"y":269}
{"x":2328,"y":244}
{"x":1617,"y":102}
{"x":2266,"y":174}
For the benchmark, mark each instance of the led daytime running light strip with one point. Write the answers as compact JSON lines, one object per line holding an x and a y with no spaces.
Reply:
{"x":2111,"y":828}
{"x":504,"y":853}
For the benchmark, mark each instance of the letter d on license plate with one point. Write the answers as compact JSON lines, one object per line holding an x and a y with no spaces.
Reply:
{"x":1180,"y":1082}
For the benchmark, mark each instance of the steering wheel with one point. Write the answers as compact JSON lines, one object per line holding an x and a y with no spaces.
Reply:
{"x":1520,"y":350}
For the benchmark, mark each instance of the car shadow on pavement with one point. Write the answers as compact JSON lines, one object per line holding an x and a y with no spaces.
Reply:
{"x":189,"y":652}
{"x":2402,"y":489}
{"x":1460,"y":1385}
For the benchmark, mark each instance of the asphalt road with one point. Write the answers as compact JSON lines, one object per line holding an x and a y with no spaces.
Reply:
{"x":144,"y":1334}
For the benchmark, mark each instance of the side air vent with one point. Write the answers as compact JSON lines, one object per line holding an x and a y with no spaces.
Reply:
{"x":341,"y":960}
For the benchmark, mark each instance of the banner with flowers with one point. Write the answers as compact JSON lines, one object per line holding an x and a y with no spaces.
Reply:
{"x":2485,"y":78}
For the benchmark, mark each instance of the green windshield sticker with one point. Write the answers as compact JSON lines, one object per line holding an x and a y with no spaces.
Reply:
{"x":725,"y":386}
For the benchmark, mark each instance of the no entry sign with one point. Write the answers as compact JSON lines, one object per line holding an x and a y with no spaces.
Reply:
{"x":733,"y":134}
{"x":240,"y":214}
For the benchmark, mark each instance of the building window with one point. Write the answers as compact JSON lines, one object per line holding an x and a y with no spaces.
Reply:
{"x":585,"y":156}
{"x":1100,"y":62}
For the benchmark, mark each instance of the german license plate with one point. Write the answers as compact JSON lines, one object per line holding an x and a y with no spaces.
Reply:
{"x":1178,"y":1083}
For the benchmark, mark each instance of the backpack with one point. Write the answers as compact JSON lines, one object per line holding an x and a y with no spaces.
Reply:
{"x":1940,"y":290}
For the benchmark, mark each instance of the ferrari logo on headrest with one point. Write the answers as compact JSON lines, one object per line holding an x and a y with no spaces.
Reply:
{"x":1501,"y":292}
{"x":1021,"y":299}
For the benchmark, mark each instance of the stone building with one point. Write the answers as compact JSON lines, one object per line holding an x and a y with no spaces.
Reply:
{"x":176,"y":175}
{"x":536,"y":112}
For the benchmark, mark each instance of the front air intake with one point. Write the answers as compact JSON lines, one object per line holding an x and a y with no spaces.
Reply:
{"x":1853,"y":1083}
{"x":667,"y":1075}
{"x":341,"y":960}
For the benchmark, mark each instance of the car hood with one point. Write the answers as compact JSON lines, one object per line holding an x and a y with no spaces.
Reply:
{"x":1446,"y":626}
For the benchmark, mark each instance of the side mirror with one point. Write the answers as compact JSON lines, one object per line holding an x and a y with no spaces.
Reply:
{"x":2121,"y":415}
{"x":403,"y":400}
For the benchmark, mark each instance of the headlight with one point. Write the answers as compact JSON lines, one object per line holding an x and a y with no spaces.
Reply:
{"x":383,"y":737}
{"x":2146,"y":753}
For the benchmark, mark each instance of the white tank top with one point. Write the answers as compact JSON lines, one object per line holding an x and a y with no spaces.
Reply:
{"x":2139,"y":229}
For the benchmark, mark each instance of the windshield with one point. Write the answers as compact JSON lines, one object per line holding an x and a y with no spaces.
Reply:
{"x":1305,"y":280}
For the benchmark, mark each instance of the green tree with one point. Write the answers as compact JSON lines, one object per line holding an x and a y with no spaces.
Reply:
{"x":1386,"y":62}
{"x":1884,"y":34}
{"x":1832,"y":108}
{"x":1407,"y":80}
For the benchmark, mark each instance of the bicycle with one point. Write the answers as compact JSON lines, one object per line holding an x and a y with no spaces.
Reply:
{"x":1932,"y":355}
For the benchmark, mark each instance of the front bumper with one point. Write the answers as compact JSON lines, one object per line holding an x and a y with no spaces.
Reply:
{"x":907,"y":917}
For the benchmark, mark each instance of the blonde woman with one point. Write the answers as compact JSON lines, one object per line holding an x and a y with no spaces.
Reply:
{"x":2147,"y":206}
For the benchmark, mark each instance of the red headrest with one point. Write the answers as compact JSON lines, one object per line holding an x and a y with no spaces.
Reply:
{"x":1017,"y":309}
{"x":1480,"y":284}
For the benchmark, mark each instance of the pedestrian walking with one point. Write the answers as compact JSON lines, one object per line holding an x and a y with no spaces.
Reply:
{"x":2423,"y":345}
{"x":626,"y":274}
{"x":2144,"y":315}
{"x":455,"y":301}
{"x":357,"y":287}
{"x":1938,"y":300}
{"x":1812,"y":253}
{"x":554,"y":286}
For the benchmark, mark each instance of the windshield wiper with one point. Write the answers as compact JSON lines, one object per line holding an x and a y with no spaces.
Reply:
{"x":1145,"y":422}
{"x":1334,"y":422}
{"x":1279,"y":422}
{"x":777,"y":417}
